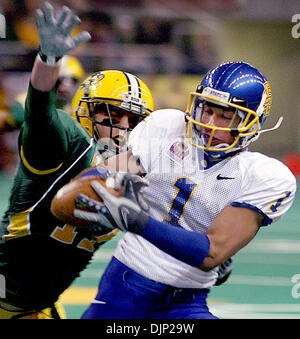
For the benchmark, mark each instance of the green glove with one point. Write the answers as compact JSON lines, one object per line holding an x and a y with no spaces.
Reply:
{"x":55,"y":34}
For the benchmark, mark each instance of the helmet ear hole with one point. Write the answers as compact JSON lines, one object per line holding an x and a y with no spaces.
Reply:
{"x":199,"y":89}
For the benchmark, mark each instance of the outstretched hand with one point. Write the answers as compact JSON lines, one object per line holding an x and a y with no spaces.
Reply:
{"x":55,"y":33}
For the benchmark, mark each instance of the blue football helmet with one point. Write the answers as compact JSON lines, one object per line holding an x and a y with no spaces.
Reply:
{"x":238,"y":87}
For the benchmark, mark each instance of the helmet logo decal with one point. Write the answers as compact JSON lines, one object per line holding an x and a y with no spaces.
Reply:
{"x":94,"y":79}
{"x":180,"y":149}
{"x":106,"y":92}
{"x":250,"y":99}
{"x":268,"y":101}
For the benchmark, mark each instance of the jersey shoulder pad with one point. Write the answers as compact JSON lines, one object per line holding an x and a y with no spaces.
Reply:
{"x":262,"y":167}
{"x":165,"y":116}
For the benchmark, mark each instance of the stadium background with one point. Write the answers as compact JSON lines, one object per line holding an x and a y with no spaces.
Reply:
{"x":171,"y":45}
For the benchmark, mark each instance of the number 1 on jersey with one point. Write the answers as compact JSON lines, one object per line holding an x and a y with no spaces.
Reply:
{"x":186,"y":188}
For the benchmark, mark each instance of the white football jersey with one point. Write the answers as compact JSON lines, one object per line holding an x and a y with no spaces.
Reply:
{"x":188,"y":193}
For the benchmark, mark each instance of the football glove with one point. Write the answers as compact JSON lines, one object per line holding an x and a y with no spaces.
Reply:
{"x":55,"y":34}
{"x":224,"y":272}
{"x":128,"y":213}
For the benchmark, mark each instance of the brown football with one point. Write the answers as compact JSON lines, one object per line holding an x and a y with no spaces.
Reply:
{"x":63,"y":203}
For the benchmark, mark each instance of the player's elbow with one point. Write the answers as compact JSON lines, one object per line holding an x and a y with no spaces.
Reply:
{"x":208,"y":264}
{"x":215,"y":257}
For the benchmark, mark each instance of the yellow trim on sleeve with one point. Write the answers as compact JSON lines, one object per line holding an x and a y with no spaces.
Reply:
{"x":35,"y":171}
{"x":18,"y":226}
{"x":108,"y":236}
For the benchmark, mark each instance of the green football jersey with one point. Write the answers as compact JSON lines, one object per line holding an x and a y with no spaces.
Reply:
{"x":39,"y":255}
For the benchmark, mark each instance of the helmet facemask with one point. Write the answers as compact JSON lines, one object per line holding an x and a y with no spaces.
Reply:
{"x":109,"y":104}
{"x":231,"y":85}
{"x":111,"y":111}
{"x":242,"y":124}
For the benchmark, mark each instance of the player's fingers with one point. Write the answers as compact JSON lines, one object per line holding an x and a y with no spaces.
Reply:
{"x":130,"y":176}
{"x":142,"y":202}
{"x":101,"y":191}
{"x":74,"y":20}
{"x":129,"y":191}
{"x":139,"y":186}
{"x":81,"y":38}
{"x":136,"y":179}
{"x":49,"y":13}
{"x":84,"y":202}
{"x":128,"y":182}
{"x":93,"y":218}
{"x":118,"y":180}
{"x":89,"y":216}
{"x":40,"y":19}
{"x":63,"y":15}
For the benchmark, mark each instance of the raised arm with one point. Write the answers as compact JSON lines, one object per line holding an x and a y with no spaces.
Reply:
{"x":43,"y":140}
{"x":44,"y":76}
{"x":55,"y":41}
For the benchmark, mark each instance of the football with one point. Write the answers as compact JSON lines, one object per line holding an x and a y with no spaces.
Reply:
{"x":63,"y":203}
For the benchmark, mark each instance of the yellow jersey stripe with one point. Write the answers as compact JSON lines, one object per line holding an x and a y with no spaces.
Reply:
{"x":35,"y":171}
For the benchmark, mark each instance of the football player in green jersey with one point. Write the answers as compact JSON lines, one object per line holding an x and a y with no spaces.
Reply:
{"x":40,"y":256}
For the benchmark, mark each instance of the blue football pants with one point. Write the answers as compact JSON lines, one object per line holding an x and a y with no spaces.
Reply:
{"x":125,"y":294}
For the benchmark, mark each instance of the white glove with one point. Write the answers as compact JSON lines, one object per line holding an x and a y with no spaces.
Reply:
{"x":55,"y":34}
{"x":126,"y":213}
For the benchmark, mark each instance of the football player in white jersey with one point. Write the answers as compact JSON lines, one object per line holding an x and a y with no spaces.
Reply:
{"x":199,"y":197}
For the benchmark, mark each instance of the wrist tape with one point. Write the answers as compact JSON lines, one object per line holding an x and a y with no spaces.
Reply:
{"x":49,"y":60}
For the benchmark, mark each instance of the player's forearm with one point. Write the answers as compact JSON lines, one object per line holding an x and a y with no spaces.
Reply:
{"x":42,"y":130}
{"x":196,"y":249}
{"x":44,"y":76}
{"x":229,"y":232}
{"x":187,"y":246}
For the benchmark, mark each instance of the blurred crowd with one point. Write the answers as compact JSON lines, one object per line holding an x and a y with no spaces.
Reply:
{"x":147,"y":38}
{"x":117,"y":25}
{"x":124,"y":36}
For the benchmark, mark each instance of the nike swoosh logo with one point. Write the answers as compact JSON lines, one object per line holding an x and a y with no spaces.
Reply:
{"x":237,"y":100}
{"x":219,"y":177}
